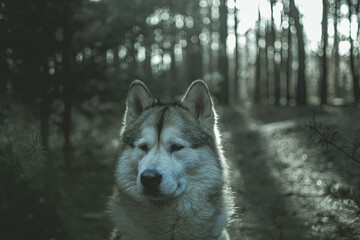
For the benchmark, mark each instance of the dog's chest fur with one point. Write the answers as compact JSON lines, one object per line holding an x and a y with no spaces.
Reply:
{"x":176,"y":221}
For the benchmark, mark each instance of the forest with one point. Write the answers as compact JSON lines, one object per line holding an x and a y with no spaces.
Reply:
{"x":284,"y":76}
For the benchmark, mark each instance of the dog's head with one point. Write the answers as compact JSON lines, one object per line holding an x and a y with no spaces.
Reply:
{"x":168,"y":148}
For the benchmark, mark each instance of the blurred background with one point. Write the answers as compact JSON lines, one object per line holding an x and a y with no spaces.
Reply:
{"x":284,"y":75}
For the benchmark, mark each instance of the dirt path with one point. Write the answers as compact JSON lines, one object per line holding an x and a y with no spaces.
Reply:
{"x":285,"y":186}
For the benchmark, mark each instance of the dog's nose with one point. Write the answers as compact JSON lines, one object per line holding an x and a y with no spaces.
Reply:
{"x":151,"y":180}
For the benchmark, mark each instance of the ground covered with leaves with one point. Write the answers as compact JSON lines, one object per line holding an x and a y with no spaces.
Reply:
{"x":286,"y":184}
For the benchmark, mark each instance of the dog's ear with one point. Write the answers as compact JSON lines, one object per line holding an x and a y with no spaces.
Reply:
{"x":138,"y":98}
{"x":198,"y":100}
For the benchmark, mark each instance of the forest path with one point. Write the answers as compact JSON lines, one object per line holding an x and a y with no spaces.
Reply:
{"x":285,"y":186}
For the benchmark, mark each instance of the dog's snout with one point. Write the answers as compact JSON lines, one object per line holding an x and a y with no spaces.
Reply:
{"x":151,"y":180}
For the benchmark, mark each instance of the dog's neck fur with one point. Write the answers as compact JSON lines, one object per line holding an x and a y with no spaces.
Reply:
{"x":175,"y":220}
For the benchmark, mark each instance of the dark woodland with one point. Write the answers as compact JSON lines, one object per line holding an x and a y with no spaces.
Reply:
{"x":289,"y":108}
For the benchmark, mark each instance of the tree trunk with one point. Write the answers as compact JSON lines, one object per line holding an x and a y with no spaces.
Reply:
{"x":247,"y":65}
{"x":147,"y":64}
{"x":276,"y":63}
{"x":257,"y":94}
{"x":354,"y":73}
{"x":301,"y":83}
{"x":288,"y":63}
{"x":45,"y":111}
{"x":194,"y":61}
{"x":3,"y":70}
{"x":116,"y":57}
{"x":267,"y":62}
{"x":237,"y":60}
{"x":323,"y":81}
{"x":214,"y":53}
{"x":223,"y":58}
{"x":177,"y":83}
{"x":4,"y":78}
{"x":68,"y":84}
{"x":133,"y":64}
{"x":4,"y":42}
{"x":335,"y":53}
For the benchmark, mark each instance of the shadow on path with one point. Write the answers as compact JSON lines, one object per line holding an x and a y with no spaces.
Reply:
{"x":265,"y":212}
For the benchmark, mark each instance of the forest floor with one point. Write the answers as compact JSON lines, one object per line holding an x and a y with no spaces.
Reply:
{"x":285,"y":185}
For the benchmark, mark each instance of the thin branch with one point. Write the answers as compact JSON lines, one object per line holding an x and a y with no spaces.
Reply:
{"x":327,"y":136}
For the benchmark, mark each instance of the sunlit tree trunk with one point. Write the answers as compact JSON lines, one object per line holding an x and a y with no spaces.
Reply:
{"x":354,"y":68}
{"x":301,"y":82}
{"x":323,"y":81}
{"x":223,"y":58}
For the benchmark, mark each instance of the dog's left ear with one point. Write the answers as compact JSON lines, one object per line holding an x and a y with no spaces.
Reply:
{"x":138,"y":98}
{"x":198,"y":100}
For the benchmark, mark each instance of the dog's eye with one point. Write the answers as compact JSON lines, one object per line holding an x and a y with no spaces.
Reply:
{"x":176,"y":147}
{"x":144,"y":147}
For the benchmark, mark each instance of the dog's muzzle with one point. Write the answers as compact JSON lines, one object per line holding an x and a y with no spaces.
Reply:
{"x":151,"y":180}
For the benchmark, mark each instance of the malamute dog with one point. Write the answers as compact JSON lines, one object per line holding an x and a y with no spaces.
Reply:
{"x":171,"y":173}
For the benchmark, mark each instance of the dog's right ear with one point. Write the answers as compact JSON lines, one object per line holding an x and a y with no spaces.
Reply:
{"x":138,"y":98}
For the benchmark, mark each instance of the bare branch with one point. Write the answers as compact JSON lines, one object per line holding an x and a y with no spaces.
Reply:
{"x":327,"y":137}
